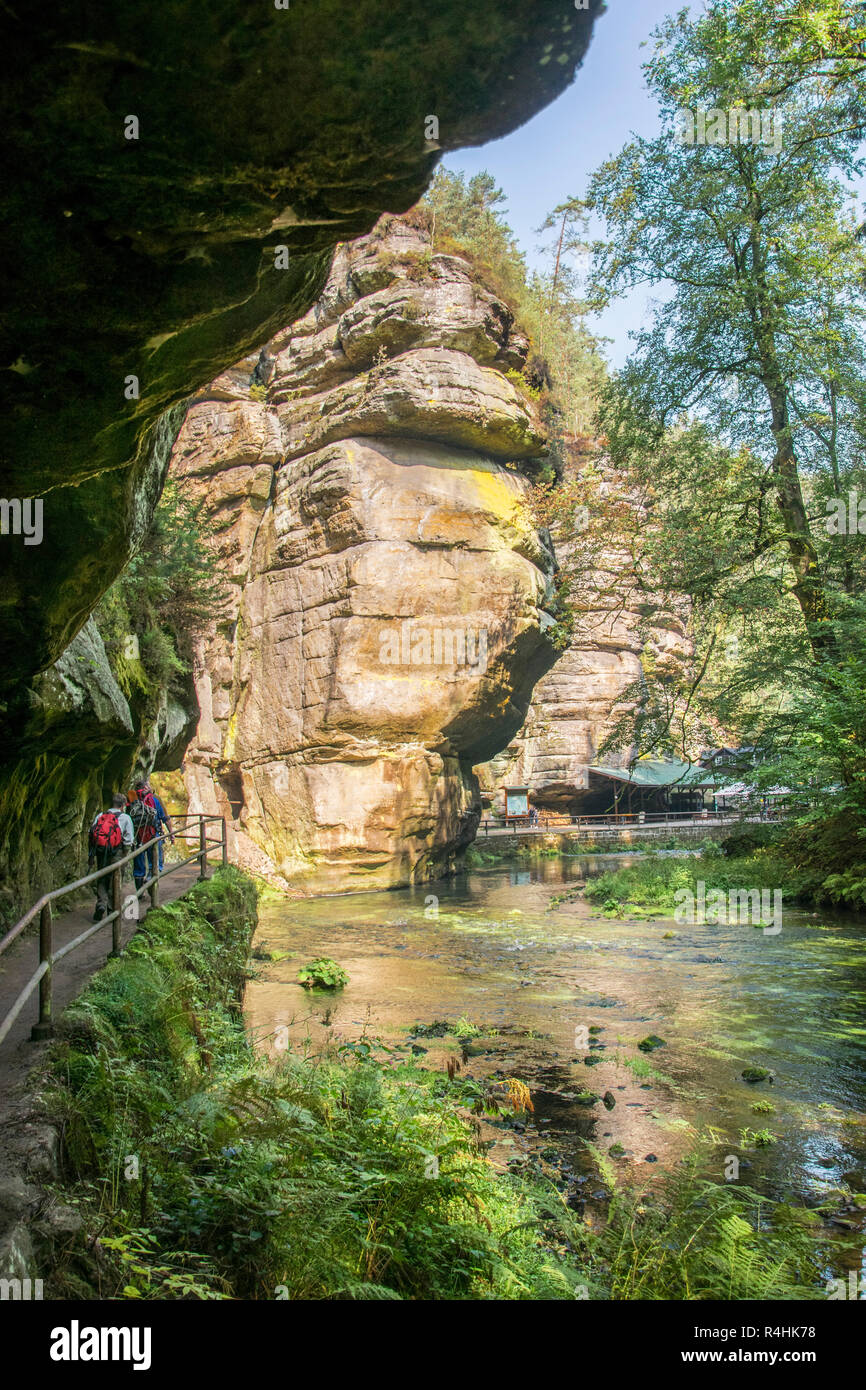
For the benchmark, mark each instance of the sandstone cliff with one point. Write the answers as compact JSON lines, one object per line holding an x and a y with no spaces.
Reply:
{"x":155,"y":157}
{"x":384,"y":625}
{"x":624,"y":627}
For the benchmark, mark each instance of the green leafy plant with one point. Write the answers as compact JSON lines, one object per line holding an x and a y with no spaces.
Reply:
{"x":323,"y":973}
{"x":464,"y":1029}
{"x":757,"y":1138}
{"x":695,"y":1239}
{"x":167,"y":595}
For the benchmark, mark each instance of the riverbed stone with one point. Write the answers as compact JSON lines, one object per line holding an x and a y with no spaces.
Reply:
{"x":755,"y":1074}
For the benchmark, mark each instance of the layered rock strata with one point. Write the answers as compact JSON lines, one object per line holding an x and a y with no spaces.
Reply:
{"x":386,"y":588}
{"x":624,"y":630}
{"x":174,"y":180}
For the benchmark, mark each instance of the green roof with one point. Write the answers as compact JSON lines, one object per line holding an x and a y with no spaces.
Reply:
{"x":649,"y":772}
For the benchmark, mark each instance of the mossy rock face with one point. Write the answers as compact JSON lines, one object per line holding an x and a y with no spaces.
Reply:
{"x":651,"y":1042}
{"x":154,"y":256}
{"x":755,"y":1074}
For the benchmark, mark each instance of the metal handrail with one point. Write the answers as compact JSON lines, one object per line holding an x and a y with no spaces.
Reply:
{"x":612,"y":821}
{"x":48,"y":957}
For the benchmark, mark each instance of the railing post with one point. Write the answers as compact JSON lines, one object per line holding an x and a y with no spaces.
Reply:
{"x":202,"y":849}
{"x":225,"y":844}
{"x":116,"y":905}
{"x":153,"y":860}
{"x":44,"y":1028}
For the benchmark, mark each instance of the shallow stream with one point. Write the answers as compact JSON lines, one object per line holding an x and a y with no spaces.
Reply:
{"x":562,"y":997}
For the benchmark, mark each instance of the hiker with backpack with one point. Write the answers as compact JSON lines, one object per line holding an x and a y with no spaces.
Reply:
{"x":162,"y":820}
{"x":111,"y":837}
{"x":143,"y":814}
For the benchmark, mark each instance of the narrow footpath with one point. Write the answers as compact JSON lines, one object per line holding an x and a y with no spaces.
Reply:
{"x":17,"y":1053}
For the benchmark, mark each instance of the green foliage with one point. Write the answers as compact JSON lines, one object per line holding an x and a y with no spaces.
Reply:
{"x":763,"y":1107}
{"x":757,"y":1138}
{"x":565,"y":366}
{"x":653,"y":882}
{"x":745,"y":841}
{"x":168,"y":594}
{"x":698,"y":1240}
{"x":323,"y":973}
{"x":739,"y":415}
{"x":328,"y":1179}
{"x":464,"y":1029}
{"x":826,"y":855}
{"x":519,"y":380}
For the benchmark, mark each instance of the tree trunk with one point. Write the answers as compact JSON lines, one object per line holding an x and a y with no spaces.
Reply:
{"x":808,"y":587}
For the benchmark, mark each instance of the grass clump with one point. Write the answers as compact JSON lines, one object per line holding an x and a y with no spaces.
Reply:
{"x":654,"y":882}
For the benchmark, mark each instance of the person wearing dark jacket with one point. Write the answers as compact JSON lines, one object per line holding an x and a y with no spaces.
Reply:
{"x":142,"y":813}
{"x":111,"y":837}
{"x":162,"y":822}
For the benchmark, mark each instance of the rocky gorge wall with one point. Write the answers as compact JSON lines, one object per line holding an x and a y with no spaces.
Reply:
{"x":174,"y":180}
{"x":385,"y":615}
{"x":625,"y":627}
{"x":168,"y":203}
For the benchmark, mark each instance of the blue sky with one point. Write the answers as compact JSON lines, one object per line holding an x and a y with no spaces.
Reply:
{"x":554,"y":154}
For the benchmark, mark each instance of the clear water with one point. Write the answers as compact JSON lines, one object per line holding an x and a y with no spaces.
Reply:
{"x":532,"y":974}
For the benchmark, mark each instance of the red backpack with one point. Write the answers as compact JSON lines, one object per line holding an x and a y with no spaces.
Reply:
{"x":105,"y":831}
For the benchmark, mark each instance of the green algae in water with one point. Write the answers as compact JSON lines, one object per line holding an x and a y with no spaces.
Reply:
{"x":774,"y":1003}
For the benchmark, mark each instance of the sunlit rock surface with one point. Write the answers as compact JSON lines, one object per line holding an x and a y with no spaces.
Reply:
{"x":595,"y":681}
{"x":386,"y":588}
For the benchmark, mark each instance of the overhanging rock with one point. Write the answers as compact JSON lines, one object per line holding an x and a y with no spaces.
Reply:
{"x":156,"y":156}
